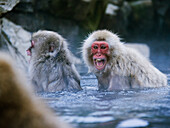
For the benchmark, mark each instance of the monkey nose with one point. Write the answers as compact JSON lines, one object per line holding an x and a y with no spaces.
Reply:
{"x":98,"y":50}
{"x":99,"y":54}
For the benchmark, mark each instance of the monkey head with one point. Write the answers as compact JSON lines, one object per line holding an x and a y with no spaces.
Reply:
{"x":99,"y":51}
{"x":46,"y":43}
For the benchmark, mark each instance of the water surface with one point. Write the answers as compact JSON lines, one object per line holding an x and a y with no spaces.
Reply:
{"x":91,"y":108}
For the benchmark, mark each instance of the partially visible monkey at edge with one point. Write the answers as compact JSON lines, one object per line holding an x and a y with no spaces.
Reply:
{"x":52,"y":65}
{"x":19,"y":108}
{"x":116,"y":66}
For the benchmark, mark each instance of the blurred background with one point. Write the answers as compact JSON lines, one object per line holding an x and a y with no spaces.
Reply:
{"x":135,"y":21}
{"x":142,"y":24}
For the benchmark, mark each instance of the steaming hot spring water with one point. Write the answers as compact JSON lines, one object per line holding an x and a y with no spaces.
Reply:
{"x":91,"y":108}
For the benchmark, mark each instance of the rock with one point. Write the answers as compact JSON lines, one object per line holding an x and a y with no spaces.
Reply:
{"x":18,"y":37}
{"x":86,"y":0}
{"x":133,"y":123}
{"x":7,"y":5}
{"x":141,"y":3}
{"x":142,"y":48}
{"x":162,"y":17}
{"x":39,"y":12}
{"x":25,"y":6}
{"x":111,"y":9}
{"x":134,"y":20}
{"x":17,"y":41}
{"x":116,"y":17}
{"x":141,"y":19}
{"x":117,"y":2}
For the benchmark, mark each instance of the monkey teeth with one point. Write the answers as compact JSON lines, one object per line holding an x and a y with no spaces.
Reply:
{"x":98,"y":60}
{"x":99,"y":63}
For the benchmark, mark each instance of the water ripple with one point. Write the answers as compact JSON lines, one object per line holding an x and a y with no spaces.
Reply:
{"x":93,"y":108}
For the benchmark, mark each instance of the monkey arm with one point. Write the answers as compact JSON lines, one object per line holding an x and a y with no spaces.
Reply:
{"x":71,"y":78}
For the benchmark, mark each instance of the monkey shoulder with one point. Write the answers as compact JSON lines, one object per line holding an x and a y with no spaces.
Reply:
{"x":143,"y":71}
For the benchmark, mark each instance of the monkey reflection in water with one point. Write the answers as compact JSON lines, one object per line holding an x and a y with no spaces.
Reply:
{"x":52,"y":65}
{"x":19,"y":108}
{"x":116,"y":66}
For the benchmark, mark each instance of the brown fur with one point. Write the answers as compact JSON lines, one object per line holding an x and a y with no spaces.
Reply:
{"x":18,"y":107}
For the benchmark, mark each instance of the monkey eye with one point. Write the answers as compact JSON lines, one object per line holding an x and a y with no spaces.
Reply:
{"x":95,"y":47}
{"x":103,"y":47}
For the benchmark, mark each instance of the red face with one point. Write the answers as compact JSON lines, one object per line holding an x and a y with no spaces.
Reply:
{"x":29,"y":49}
{"x":100,"y":50}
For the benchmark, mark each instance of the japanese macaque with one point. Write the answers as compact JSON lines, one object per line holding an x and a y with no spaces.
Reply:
{"x":52,"y":64}
{"x":19,"y":107}
{"x":116,"y":66}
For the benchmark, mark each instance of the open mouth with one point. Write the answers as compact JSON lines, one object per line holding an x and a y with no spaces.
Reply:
{"x":99,"y":63}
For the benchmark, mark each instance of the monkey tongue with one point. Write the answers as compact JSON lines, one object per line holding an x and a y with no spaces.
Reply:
{"x":100,"y":64}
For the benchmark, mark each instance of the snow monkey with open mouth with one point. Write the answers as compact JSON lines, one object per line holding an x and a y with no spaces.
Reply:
{"x":116,"y":66}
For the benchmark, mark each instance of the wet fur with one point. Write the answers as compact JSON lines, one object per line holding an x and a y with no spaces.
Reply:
{"x":19,"y":107}
{"x":53,"y":71}
{"x":126,"y":67}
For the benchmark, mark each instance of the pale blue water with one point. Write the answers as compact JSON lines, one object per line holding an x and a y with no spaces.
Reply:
{"x":91,"y":108}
